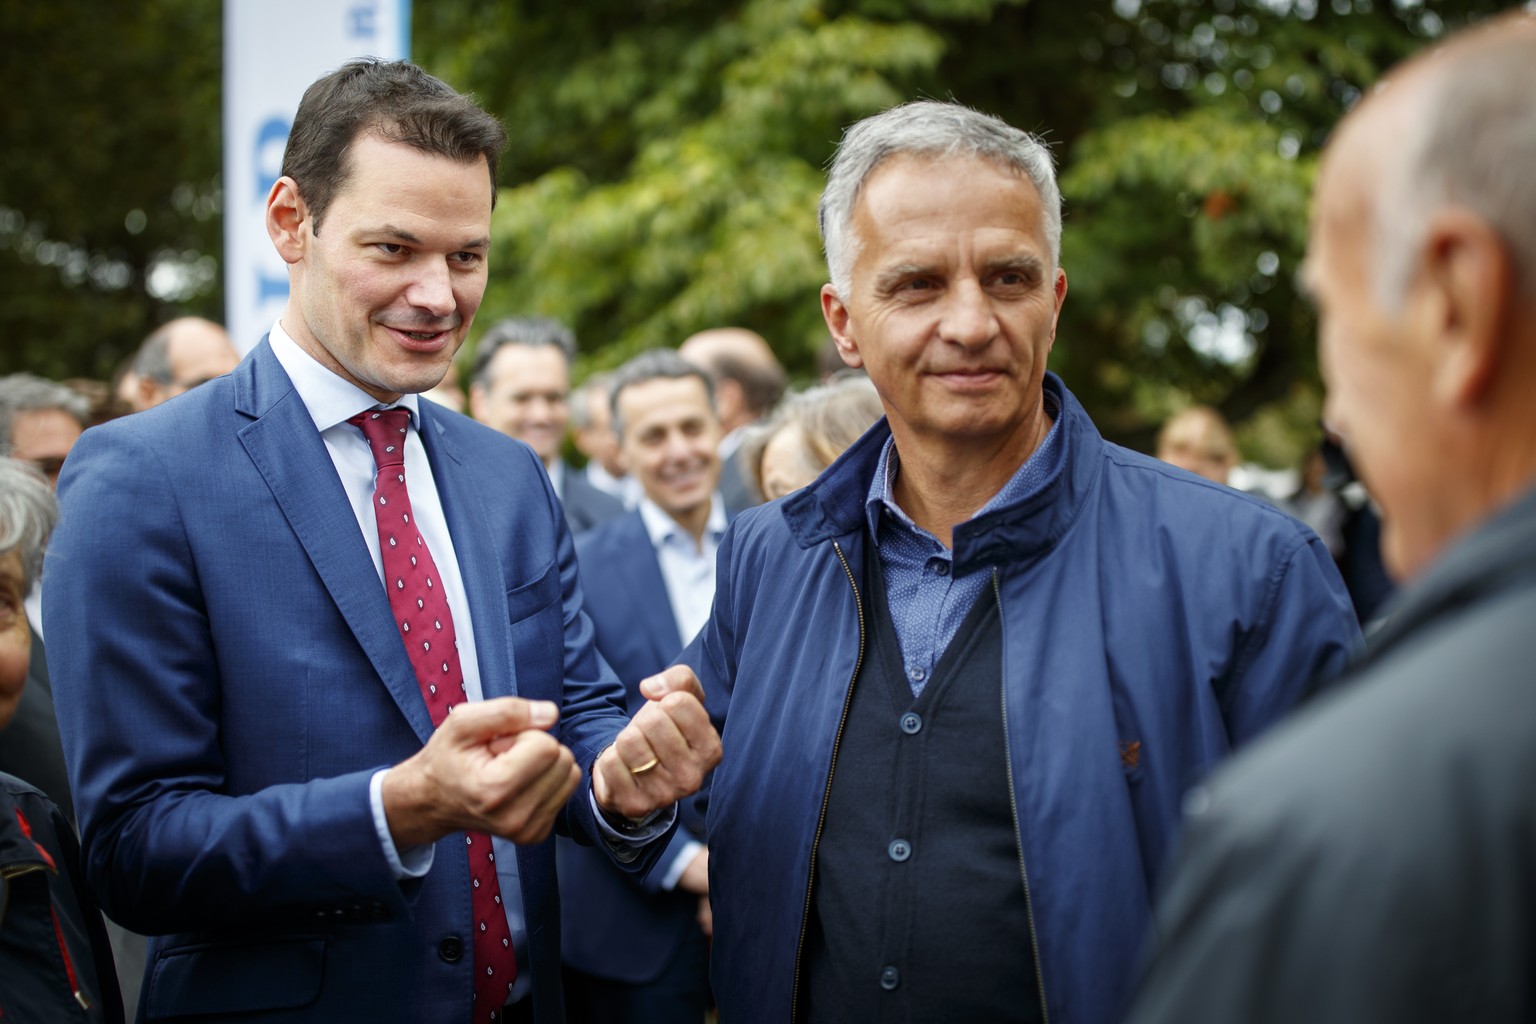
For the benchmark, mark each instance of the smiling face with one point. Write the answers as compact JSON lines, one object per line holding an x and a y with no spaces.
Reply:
{"x":669,"y":443}
{"x":526,"y":396}
{"x":385,"y":293}
{"x":953,"y":303}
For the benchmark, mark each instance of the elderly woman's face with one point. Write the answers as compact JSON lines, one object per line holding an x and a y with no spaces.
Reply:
{"x":787,"y":463}
{"x":15,"y":637}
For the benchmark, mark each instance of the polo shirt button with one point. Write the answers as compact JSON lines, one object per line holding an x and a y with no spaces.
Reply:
{"x":941,"y":567}
{"x":899,"y":850}
{"x":890,"y":977}
{"x":451,"y":949}
{"x":911,"y":723}
{"x":917,"y":673}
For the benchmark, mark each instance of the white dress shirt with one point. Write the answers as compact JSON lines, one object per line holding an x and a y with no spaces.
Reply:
{"x":687,"y":567}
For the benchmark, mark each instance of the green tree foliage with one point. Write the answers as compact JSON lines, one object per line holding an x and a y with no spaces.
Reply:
{"x":108,"y":177}
{"x":667,"y":159}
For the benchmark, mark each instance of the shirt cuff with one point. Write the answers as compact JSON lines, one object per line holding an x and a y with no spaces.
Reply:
{"x":620,"y":832}
{"x":689,"y":850}
{"x":413,"y":862}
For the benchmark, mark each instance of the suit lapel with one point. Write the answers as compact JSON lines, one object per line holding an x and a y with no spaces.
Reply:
{"x":288,"y":452}
{"x":479,"y":564}
{"x":648,"y":592}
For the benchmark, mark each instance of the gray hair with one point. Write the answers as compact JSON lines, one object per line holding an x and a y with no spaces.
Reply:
{"x":654,"y":364}
{"x":23,"y":392}
{"x":28,"y":513}
{"x":1473,"y":147}
{"x":934,"y":129}
{"x":532,"y":331}
{"x":581,"y":406}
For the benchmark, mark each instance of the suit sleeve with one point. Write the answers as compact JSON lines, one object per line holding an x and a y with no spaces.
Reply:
{"x":139,"y":692}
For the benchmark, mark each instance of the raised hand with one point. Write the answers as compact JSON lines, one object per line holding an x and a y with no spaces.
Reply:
{"x":664,"y":752}
{"x":490,"y":767}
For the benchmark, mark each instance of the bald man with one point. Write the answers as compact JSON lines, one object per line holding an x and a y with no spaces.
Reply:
{"x":177,"y":357}
{"x":1372,"y":860}
{"x":748,"y":383}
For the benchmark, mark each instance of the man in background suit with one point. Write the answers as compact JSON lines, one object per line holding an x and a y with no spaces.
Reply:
{"x":271,"y":775}
{"x":521,"y":387}
{"x":634,"y":950}
{"x":748,"y":383}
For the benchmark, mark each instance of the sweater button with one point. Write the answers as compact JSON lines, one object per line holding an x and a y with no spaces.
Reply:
{"x":451,"y":949}
{"x":899,"y":850}
{"x":911,"y":723}
{"x":890,"y":977}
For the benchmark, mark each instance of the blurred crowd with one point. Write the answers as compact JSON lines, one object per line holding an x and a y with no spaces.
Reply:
{"x":340,"y":681}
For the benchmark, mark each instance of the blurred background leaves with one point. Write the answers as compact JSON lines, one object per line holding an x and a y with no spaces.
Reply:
{"x":667,"y":156}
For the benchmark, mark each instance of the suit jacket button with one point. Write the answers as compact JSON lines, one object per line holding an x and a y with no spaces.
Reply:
{"x":451,"y":949}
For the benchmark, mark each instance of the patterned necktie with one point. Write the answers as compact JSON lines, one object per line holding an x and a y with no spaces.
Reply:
{"x":421,"y":611}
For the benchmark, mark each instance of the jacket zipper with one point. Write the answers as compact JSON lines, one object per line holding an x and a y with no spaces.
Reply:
{"x":1013,"y":809}
{"x":826,"y":796}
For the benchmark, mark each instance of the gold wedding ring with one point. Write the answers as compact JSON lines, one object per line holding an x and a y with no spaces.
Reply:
{"x":652,"y":763}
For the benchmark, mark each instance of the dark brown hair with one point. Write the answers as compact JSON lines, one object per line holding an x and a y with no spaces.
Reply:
{"x":394,"y":99}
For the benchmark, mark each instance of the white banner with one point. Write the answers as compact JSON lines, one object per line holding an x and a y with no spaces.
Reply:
{"x":273,"y":50}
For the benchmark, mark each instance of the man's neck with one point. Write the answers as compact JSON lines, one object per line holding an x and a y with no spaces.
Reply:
{"x":943,"y":482}
{"x":694,"y":522}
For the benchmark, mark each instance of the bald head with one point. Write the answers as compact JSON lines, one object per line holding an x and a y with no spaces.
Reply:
{"x":1454,"y":127}
{"x":748,"y":378}
{"x":1422,"y":258}
{"x":179,"y":356}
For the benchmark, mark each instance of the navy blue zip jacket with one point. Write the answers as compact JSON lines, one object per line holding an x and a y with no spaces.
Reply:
{"x":1152,"y":621}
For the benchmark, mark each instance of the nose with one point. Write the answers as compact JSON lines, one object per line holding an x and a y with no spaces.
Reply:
{"x":432,"y":289}
{"x":968,"y":318}
{"x":676,"y":447}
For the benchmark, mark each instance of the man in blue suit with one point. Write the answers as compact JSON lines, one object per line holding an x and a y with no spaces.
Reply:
{"x":521,"y":386}
{"x":271,"y":777}
{"x":634,"y":948}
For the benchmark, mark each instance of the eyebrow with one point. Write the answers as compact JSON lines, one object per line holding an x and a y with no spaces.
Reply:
{"x":894,"y":275}
{"x":403,"y":235}
{"x":1031,"y":266}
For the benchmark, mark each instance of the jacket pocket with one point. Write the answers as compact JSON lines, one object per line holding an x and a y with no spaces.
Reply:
{"x":274,"y":974}
{"x":532,"y":598}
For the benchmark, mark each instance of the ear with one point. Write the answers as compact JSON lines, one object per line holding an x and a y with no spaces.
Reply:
{"x":1465,"y":286}
{"x":1060,"y":290}
{"x":287,"y":219}
{"x":149,"y":392}
{"x":835,"y":313}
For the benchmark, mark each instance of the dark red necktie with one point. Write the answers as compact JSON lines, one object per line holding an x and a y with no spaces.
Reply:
{"x":421,"y":611}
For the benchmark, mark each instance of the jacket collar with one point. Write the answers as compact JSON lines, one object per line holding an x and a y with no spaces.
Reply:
{"x":1499,"y":553}
{"x":833,"y":506}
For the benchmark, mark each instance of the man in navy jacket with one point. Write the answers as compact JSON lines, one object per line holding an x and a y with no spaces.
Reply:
{"x":966,"y":676}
